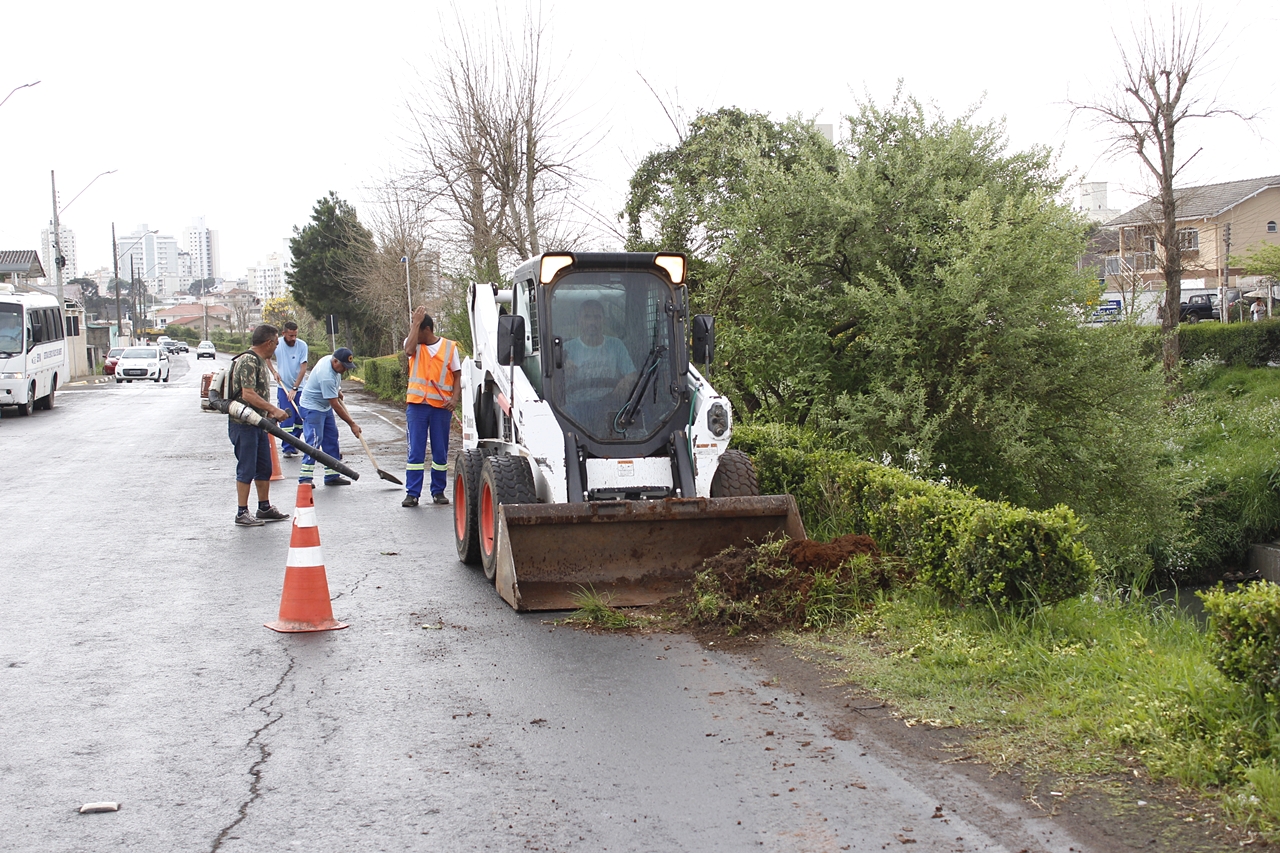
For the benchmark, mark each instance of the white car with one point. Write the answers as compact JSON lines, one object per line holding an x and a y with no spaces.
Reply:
{"x":143,"y":363}
{"x":205,"y":349}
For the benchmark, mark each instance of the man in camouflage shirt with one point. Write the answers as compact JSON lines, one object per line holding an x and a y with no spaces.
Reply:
{"x":249,"y":378}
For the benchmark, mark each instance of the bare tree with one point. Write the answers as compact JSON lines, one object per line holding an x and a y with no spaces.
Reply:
{"x":1157,"y":91}
{"x":494,"y":155}
{"x":402,"y":229}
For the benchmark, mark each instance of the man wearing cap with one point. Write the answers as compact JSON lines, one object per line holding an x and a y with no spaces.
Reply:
{"x":321,"y":397}
{"x":435,"y":387}
{"x":248,"y":384}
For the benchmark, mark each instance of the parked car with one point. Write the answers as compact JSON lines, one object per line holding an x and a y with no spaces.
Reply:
{"x":1202,"y":306}
{"x":143,"y":363}
{"x":205,"y":349}
{"x":109,"y":363}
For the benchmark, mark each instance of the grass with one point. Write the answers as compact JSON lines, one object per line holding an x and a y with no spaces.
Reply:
{"x":594,"y":610}
{"x":1085,"y":688}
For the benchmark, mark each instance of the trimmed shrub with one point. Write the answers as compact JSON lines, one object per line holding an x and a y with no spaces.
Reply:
{"x":1245,"y":628}
{"x":968,"y":549}
{"x":1237,"y":344}
{"x":384,"y":377}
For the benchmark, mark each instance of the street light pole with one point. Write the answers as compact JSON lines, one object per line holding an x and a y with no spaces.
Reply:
{"x":407,"y":292}
{"x":115,"y":263}
{"x":60,"y":261}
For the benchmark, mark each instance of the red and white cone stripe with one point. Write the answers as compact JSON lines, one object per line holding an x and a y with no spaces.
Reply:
{"x":304,"y":544}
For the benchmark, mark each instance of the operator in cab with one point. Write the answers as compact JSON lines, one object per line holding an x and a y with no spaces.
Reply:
{"x":598,"y":371}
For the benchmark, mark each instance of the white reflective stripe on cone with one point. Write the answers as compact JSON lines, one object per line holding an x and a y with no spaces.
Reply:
{"x":304,"y":516}
{"x":305,"y":558}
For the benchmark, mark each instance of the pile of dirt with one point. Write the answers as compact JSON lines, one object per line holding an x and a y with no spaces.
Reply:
{"x":785,"y":585}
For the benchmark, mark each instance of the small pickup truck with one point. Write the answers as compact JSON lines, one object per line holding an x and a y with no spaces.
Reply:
{"x":1202,"y":306}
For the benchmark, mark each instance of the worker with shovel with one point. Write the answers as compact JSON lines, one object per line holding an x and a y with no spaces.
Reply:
{"x":291,"y":372}
{"x":321,"y":397}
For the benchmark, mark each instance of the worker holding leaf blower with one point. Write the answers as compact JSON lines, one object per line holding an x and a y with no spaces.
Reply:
{"x":249,"y":373}
{"x":321,"y":397}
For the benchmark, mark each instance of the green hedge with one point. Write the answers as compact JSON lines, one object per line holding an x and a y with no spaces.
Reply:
{"x":1245,"y":628}
{"x":385,"y":376}
{"x":1237,"y":344}
{"x":968,"y":549}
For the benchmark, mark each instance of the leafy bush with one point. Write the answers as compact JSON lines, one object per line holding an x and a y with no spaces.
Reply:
{"x":968,"y":549}
{"x":1245,"y":627}
{"x":1237,"y":344}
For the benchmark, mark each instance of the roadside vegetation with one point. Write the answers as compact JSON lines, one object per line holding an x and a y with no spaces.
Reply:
{"x":899,"y":327}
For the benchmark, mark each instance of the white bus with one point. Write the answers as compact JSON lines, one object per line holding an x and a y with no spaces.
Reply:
{"x":33,"y":349}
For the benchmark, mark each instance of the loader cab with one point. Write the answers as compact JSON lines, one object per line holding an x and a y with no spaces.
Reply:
{"x":611,"y":353}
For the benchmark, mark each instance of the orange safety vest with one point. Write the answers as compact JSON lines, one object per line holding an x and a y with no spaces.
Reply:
{"x":430,"y":380}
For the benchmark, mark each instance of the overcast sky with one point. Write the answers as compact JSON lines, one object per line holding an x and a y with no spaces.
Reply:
{"x":246,"y":113}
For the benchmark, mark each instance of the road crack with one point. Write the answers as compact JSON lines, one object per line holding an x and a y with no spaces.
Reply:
{"x":257,"y":742}
{"x":353,"y":589}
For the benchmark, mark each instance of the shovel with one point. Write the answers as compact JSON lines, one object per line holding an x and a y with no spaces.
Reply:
{"x":391,"y":478}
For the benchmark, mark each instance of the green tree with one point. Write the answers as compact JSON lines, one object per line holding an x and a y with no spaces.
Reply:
{"x":913,"y":293}
{"x":1263,"y":260}
{"x":327,"y":256}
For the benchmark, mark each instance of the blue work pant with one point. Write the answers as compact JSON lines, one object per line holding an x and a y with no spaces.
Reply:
{"x":319,"y":429}
{"x":253,"y":451}
{"x":427,"y":421}
{"x":293,"y":423}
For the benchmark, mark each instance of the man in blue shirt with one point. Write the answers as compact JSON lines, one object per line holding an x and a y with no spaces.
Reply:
{"x":321,"y":397}
{"x":291,"y":371}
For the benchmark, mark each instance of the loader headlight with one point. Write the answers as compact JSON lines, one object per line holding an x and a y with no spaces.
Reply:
{"x":10,"y":375}
{"x":552,"y":264}
{"x":718,"y":419}
{"x":674,"y":265}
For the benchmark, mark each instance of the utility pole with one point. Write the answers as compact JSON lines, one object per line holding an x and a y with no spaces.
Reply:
{"x":1226,"y":268}
{"x":115,"y":266}
{"x":58,"y":261}
{"x":407,"y":292}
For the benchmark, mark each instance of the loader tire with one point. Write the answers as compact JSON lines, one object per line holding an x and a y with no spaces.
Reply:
{"x":466,"y":488}
{"x":503,"y":480}
{"x":735,"y":477}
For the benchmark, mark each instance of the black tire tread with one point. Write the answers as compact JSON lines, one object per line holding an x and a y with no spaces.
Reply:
{"x":511,"y":481}
{"x":467,"y":465}
{"x":735,"y":476}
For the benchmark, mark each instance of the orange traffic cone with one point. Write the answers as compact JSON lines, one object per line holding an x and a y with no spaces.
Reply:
{"x":276,"y":473}
{"x":304,"y":604}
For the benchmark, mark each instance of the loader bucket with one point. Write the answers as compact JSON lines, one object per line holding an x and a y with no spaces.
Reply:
{"x":629,"y":552}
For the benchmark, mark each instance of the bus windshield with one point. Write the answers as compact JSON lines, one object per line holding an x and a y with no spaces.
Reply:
{"x":10,"y":329}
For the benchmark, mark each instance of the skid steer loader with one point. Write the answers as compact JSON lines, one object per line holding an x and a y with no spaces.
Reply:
{"x":594,"y":455}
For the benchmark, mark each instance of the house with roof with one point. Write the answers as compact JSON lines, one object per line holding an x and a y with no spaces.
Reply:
{"x":1215,"y":222}
{"x":194,"y":316}
{"x":20,"y":266}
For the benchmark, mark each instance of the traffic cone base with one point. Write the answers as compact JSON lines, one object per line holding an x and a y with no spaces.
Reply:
{"x":304,"y":603}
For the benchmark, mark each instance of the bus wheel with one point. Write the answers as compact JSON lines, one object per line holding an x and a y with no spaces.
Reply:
{"x":29,"y":406}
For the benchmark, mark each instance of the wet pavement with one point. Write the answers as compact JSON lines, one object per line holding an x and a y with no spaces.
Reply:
{"x":135,"y":668}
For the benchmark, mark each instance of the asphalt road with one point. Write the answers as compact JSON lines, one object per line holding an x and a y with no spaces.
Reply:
{"x":134,"y":667}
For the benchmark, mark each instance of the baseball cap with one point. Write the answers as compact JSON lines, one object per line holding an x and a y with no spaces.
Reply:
{"x":344,"y":355}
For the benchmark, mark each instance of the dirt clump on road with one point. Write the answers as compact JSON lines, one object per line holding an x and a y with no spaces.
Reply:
{"x":795,"y":584}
